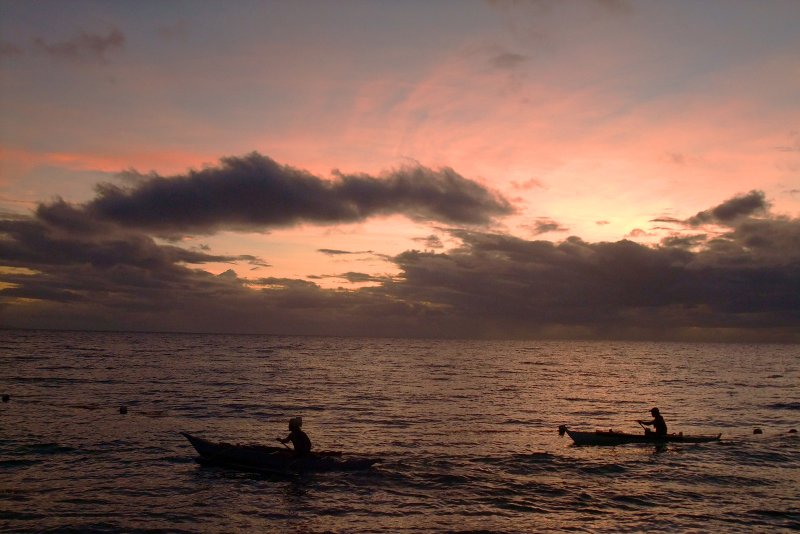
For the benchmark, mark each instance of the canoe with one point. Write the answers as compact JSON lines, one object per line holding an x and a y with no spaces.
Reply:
{"x":612,"y":437}
{"x":266,"y":459}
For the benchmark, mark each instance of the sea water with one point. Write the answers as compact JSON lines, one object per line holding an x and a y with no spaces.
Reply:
{"x":466,"y":432}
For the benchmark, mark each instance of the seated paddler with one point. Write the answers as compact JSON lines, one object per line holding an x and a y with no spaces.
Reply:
{"x":299,"y":439}
{"x":658,"y":423}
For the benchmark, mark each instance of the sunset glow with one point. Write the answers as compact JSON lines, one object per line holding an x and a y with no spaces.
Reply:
{"x":457,"y":168}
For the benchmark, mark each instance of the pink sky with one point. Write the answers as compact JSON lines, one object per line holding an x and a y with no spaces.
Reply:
{"x":595,"y":116}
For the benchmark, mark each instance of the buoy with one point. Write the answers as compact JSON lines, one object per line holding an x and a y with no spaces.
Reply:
{"x":6,"y":398}
{"x":123,"y":410}
{"x":758,"y":431}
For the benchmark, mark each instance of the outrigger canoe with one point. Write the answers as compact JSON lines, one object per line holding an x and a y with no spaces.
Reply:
{"x":612,"y":437}
{"x":275,"y":460}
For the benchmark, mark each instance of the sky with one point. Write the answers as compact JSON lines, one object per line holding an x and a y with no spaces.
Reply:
{"x":584,"y":169}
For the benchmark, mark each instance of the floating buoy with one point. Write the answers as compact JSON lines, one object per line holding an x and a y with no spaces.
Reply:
{"x":123,"y":410}
{"x":6,"y":398}
{"x":758,"y":431}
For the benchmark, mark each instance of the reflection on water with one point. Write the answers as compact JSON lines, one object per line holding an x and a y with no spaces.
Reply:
{"x":466,"y":431}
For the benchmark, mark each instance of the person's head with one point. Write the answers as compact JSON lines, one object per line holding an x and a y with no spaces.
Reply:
{"x":654,"y":412}
{"x":295,"y":423}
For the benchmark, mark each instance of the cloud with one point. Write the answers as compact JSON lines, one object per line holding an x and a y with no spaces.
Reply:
{"x":356,"y":278}
{"x":743,"y":284}
{"x":753,"y":203}
{"x":255,"y":192}
{"x":669,"y":220}
{"x":617,"y":287}
{"x":84,"y":46}
{"x":431,"y":241}
{"x":333,"y":252}
{"x":684,"y":241}
{"x":544,"y":225}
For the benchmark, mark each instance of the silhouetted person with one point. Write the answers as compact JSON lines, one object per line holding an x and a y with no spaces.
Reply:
{"x":299,"y":439}
{"x":657,"y":423}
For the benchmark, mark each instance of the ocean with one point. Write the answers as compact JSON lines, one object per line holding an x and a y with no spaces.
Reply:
{"x":467,"y":434}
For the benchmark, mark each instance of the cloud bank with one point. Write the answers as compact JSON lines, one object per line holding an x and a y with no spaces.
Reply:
{"x":254,"y":193}
{"x":99,"y":265}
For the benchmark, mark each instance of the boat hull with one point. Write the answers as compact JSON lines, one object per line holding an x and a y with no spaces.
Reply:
{"x":263,"y":458}
{"x":610,"y":437}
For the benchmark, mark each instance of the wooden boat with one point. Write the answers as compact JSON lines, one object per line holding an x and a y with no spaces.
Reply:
{"x":612,"y":437}
{"x":276,"y":460}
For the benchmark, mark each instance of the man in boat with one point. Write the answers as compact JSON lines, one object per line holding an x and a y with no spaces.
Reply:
{"x":657,"y":423}
{"x":299,"y":439}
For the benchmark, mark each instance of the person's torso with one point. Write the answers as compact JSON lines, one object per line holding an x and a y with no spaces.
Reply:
{"x":660,"y":425}
{"x":301,"y":442}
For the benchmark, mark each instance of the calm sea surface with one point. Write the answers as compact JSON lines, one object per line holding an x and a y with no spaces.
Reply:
{"x":466,"y":430}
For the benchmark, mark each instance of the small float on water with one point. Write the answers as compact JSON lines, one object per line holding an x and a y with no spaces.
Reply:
{"x":272,"y":460}
{"x":613,"y":437}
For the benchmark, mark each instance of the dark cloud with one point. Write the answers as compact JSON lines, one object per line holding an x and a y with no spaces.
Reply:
{"x":744,"y":284}
{"x":432,"y":241}
{"x":683,"y":241}
{"x":753,"y":203}
{"x":356,"y":278}
{"x":335,"y":252}
{"x":255,"y":192}
{"x":84,"y":46}
{"x":665,"y":219}
{"x":544,"y":225}
{"x":351,"y":277}
{"x":255,"y":261}
{"x":617,"y":289}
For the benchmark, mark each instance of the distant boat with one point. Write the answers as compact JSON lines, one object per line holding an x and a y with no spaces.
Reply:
{"x":612,"y":437}
{"x":275,"y":460}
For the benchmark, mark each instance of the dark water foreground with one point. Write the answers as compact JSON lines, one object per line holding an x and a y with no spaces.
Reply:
{"x":466,"y":431}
